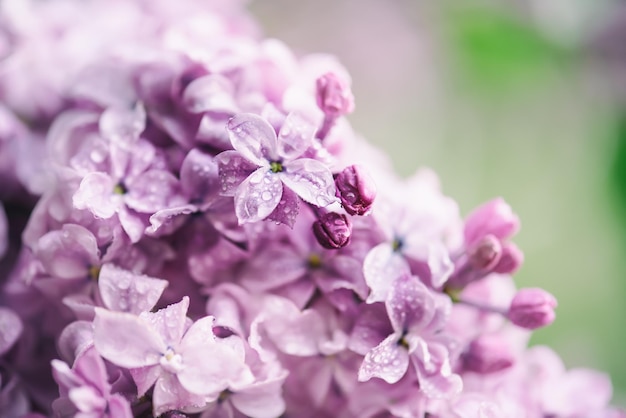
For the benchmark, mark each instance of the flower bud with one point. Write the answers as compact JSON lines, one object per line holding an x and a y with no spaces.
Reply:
{"x":334,"y":97}
{"x":510,"y":260}
{"x":488,"y":354}
{"x":332,"y":230}
{"x":492,"y":218}
{"x":486,"y":254}
{"x":532,"y":308}
{"x":356,"y":189}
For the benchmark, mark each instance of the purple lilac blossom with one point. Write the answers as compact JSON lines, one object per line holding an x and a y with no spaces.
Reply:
{"x":196,"y":245}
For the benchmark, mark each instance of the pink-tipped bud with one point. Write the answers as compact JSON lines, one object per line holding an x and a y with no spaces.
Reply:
{"x":356,"y":189}
{"x":510,"y":260}
{"x":486,"y":254}
{"x":333,"y":230}
{"x":532,"y":308}
{"x":334,"y":96}
{"x":488,"y":354}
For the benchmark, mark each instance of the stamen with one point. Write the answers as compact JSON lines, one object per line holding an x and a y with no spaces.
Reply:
{"x":276,"y":166}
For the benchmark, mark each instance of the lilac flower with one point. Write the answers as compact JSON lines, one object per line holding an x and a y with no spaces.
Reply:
{"x":85,"y":390}
{"x":161,"y":349}
{"x":264,"y":163}
{"x":416,"y":315}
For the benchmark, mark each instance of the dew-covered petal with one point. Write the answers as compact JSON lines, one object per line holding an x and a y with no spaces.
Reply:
{"x":381,"y":267}
{"x":258,"y":196}
{"x":169,"y":322}
{"x":199,"y":177}
{"x":145,"y":377}
{"x":210,"y":93}
{"x":253,"y":137}
{"x":166,"y":221}
{"x":388,"y":361}
{"x":233,"y":169}
{"x":170,"y":395}
{"x":209,"y":365}
{"x":95,"y":193}
{"x":10,"y":329}
{"x":434,"y":371}
{"x":410,"y":305}
{"x":152,"y":191}
{"x":372,"y":326}
{"x":69,"y":252}
{"x":287,"y":210}
{"x":126,"y":340}
{"x":311,"y":180}
{"x":122,"y":125}
{"x":295,"y":136}
{"x":124,"y":291}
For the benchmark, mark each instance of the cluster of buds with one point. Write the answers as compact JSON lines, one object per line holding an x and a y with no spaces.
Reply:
{"x":185,"y":233}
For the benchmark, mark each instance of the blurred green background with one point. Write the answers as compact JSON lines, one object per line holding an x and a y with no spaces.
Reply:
{"x":523,"y":99}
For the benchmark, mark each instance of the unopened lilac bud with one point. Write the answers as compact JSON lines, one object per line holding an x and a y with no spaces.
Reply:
{"x":332,"y":230}
{"x":221,"y":331}
{"x":488,"y":354}
{"x":356,"y":189}
{"x":532,"y":308}
{"x":492,"y":218}
{"x":510,"y":260}
{"x":486,"y":254}
{"x":334,"y":96}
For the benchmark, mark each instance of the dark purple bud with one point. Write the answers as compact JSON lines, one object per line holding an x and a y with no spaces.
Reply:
{"x":334,"y":96}
{"x":221,"y":331}
{"x":488,"y":354}
{"x":333,"y":230}
{"x":532,"y":308}
{"x":486,"y":254}
{"x":510,"y":260}
{"x":356,"y":189}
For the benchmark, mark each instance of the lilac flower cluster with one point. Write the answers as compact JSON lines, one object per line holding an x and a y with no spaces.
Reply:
{"x":190,"y":228}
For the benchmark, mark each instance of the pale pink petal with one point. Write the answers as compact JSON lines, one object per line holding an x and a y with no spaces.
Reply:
{"x":152,"y":191}
{"x":170,"y":395}
{"x":388,"y":361}
{"x":119,"y":407}
{"x":145,"y":377}
{"x":210,"y":93}
{"x":122,"y":125}
{"x":10,"y":329}
{"x":209,"y":365}
{"x":74,"y":339}
{"x":253,"y":137}
{"x":95,"y":193}
{"x":90,"y":366}
{"x":169,"y":322}
{"x":381,"y":267}
{"x":166,"y":221}
{"x":495,"y":218}
{"x":87,"y":399}
{"x":295,"y":136}
{"x":434,"y":371}
{"x":132,"y":223}
{"x":233,"y":170}
{"x":261,"y":401}
{"x":124,"y":291}
{"x":258,"y":196}
{"x":126,"y":340}
{"x":311,"y":180}
{"x":68,"y":253}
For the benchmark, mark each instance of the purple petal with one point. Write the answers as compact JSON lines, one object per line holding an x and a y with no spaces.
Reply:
{"x":144,"y":377}
{"x":204,"y":377}
{"x":410,"y":305}
{"x":4,"y":231}
{"x":274,"y":266}
{"x":372,"y":326}
{"x":253,"y":137}
{"x":133,"y":223}
{"x":258,"y":196}
{"x":311,"y":180}
{"x":74,"y":339}
{"x":233,"y":170}
{"x":119,"y":407}
{"x":295,"y":136}
{"x":170,"y":395}
{"x":494,"y":217}
{"x":381,"y":266}
{"x":10,"y":329}
{"x":166,"y":221}
{"x":287,"y":210}
{"x":170,"y":322}
{"x":199,"y":175}
{"x":124,"y":291}
{"x":388,"y":361}
{"x":68,"y":253}
{"x":95,"y":193}
{"x":152,"y":191}
{"x":90,"y":367}
{"x":210,"y":93}
{"x":87,"y":399}
{"x":126,"y":340}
